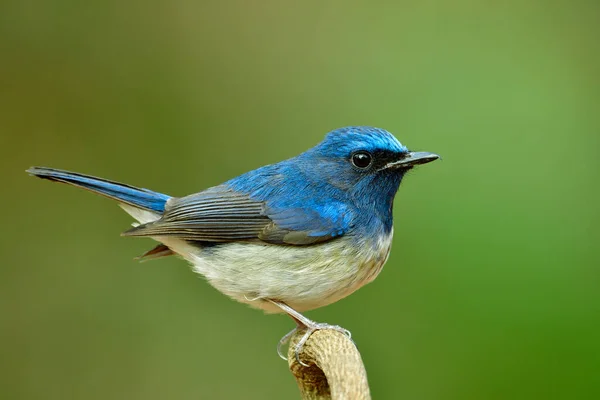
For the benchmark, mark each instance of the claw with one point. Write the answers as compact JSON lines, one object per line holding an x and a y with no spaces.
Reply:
{"x":286,"y":338}
{"x":300,"y":345}
{"x":316,"y":326}
{"x":302,"y":323}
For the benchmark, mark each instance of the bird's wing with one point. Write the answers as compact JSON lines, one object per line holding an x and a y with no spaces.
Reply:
{"x":221,"y":214}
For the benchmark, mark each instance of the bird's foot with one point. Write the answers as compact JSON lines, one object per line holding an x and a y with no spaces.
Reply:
{"x":306,"y":324}
{"x":309,"y":329}
{"x":315,"y":326}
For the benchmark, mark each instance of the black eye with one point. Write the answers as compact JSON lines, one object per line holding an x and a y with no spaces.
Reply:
{"x":361,"y":159}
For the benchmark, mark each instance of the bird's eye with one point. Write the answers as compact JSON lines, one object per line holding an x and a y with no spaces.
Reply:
{"x":362,"y":159}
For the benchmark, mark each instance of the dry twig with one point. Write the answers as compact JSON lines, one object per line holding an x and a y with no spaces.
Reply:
{"x":335,"y":369}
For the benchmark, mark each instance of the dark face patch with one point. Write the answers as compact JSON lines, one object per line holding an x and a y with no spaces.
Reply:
{"x":380,"y":158}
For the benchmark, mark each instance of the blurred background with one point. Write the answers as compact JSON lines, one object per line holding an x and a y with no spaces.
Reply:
{"x":492,"y":287}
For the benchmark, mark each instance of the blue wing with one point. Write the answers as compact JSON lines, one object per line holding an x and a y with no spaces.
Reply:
{"x":222,"y":214}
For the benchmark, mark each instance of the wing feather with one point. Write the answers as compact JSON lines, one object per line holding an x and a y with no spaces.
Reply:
{"x":221,"y":214}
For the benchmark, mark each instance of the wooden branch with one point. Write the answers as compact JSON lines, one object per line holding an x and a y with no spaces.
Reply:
{"x":335,"y":370}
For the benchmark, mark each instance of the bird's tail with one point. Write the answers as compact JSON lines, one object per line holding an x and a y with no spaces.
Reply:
{"x":137,"y":197}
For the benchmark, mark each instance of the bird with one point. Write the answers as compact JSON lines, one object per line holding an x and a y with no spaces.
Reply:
{"x":287,"y":237}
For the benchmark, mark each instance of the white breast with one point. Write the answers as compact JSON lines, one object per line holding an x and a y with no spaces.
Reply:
{"x":304,"y":277}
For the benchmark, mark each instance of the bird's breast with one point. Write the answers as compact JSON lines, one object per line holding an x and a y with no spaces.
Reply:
{"x":304,"y":277}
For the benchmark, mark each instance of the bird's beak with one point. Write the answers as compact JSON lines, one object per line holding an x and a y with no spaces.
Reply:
{"x":413,"y":158}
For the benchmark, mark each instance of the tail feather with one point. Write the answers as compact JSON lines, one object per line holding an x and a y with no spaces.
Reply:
{"x":136,"y":197}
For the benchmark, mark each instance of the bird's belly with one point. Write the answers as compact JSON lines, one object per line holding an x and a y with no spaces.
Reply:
{"x":304,"y":277}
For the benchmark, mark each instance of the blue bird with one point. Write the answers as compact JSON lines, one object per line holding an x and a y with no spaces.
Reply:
{"x":287,"y":237}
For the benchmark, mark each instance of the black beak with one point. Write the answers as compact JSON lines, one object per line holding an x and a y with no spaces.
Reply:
{"x":413,"y":158}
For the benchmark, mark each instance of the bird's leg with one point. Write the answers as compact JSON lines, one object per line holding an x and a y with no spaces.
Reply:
{"x":302,"y":323}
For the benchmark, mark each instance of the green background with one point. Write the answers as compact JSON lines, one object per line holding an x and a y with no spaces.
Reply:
{"x":492,"y":287}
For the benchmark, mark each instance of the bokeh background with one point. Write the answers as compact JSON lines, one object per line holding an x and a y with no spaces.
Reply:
{"x":492,"y":287}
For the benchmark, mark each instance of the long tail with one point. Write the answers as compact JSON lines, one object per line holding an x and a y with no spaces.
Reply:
{"x":136,"y":197}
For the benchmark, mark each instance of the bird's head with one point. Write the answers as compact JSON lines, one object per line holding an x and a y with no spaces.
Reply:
{"x":363,"y":158}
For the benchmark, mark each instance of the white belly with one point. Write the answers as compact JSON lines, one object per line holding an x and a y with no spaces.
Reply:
{"x":304,"y":277}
